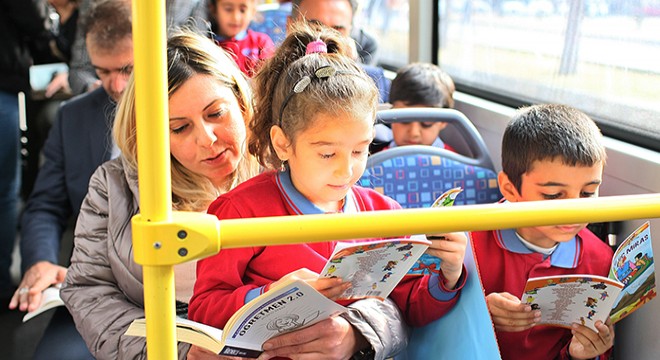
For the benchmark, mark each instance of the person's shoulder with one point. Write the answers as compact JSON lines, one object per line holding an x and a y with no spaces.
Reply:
{"x":89,"y":100}
{"x":260,"y":38}
{"x":593,"y":244}
{"x":260,"y":189}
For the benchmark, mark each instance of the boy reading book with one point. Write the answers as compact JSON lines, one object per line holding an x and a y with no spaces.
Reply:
{"x":548,"y":152}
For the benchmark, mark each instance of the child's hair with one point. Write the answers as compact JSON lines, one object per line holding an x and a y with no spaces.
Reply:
{"x":290,"y":91}
{"x":423,"y":84}
{"x":188,"y":54}
{"x":548,"y":132}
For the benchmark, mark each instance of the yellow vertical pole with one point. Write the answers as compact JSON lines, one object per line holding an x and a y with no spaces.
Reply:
{"x":150,"y":66}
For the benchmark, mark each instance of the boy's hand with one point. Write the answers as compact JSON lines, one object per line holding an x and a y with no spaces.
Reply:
{"x":510,"y":314}
{"x":329,"y":287}
{"x":587,"y":344}
{"x":450,"y":249}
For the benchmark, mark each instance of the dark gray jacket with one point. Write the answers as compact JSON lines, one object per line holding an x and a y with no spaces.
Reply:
{"x":20,"y":21}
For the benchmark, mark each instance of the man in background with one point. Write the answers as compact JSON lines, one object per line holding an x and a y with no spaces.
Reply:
{"x":82,"y":78}
{"x":19,"y":21}
{"x":79,"y":141}
{"x":339,"y":14}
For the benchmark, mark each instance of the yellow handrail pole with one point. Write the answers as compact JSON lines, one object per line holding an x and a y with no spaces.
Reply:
{"x":314,"y":228}
{"x":150,"y":67}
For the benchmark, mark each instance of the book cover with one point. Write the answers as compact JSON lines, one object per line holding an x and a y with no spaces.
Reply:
{"x":633,"y":265}
{"x":429,"y":264}
{"x":287,"y":307}
{"x":50,"y":298}
{"x":585,"y":299}
{"x":374,"y":268}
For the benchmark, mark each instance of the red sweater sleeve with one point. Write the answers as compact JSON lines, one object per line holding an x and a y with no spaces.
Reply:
{"x":219,"y":289}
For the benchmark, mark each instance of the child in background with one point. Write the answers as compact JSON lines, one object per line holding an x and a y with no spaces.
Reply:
{"x":313,"y":129}
{"x":232,"y":18}
{"x":548,"y":152}
{"x":420,"y":85}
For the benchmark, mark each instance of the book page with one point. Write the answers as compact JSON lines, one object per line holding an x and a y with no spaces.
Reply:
{"x":187,"y":331}
{"x":633,"y":266}
{"x":278,"y":311}
{"x":50,"y":298}
{"x":374,"y":268}
{"x":429,"y":264}
{"x":564,"y":300}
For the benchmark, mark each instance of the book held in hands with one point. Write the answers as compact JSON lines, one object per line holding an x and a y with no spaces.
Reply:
{"x":50,"y":298}
{"x":585,"y":299}
{"x":374,"y":268}
{"x":289,"y":306}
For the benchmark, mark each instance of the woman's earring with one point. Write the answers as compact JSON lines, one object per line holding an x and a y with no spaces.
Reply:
{"x":283,"y":166}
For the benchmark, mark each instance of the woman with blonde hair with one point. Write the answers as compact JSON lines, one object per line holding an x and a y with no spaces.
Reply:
{"x":210,"y":103}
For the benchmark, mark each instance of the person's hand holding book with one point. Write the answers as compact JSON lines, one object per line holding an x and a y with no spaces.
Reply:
{"x":330,"y":287}
{"x":588,"y":344}
{"x":510,"y":314}
{"x":37,"y":278}
{"x":450,"y":249}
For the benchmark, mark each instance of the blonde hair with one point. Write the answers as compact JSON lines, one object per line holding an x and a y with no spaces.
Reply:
{"x":189,"y":54}
{"x":350,"y":91}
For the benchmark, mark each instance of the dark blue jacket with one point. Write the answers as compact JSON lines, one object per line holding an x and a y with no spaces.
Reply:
{"x":78,"y":142}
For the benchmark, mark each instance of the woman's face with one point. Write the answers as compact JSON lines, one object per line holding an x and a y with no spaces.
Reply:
{"x":207,"y":129}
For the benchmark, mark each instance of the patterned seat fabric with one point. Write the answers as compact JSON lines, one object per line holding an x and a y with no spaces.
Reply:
{"x":416,"y":180}
{"x":415,"y":176}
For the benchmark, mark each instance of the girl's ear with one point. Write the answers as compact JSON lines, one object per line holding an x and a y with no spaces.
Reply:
{"x":507,"y":188}
{"x":280,"y":143}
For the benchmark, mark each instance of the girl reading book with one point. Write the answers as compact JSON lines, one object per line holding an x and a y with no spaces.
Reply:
{"x":312,"y":129}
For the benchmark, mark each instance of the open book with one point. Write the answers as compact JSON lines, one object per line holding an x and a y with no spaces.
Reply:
{"x":374,"y":268}
{"x":288,"y":306}
{"x":585,"y":299}
{"x":50,"y":298}
{"x":429,"y":264}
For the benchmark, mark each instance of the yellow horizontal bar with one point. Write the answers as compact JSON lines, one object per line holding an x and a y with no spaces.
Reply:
{"x":316,"y":228}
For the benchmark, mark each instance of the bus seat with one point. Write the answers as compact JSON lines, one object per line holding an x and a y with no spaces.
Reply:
{"x":416,"y":175}
{"x":460,"y":133}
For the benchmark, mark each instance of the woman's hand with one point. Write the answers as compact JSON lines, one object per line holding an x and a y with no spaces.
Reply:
{"x":333,"y":338}
{"x":37,"y":278}
{"x":450,"y":249}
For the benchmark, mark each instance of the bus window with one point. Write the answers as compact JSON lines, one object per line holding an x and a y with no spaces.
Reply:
{"x":600,"y":56}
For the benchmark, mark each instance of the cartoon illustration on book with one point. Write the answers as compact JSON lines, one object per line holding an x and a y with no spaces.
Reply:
{"x":428,"y":264}
{"x":290,"y":322}
{"x":587,"y":298}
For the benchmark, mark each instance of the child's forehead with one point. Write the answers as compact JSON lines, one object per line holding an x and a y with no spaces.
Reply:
{"x":340,"y":124}
{"x":560,"y":170}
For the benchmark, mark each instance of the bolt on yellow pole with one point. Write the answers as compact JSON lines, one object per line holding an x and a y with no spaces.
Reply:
{"x":150,"y":71}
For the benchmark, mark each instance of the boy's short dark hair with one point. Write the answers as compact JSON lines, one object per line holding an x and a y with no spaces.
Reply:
{"x":547,"y":132}
{"x":423,"y":84}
